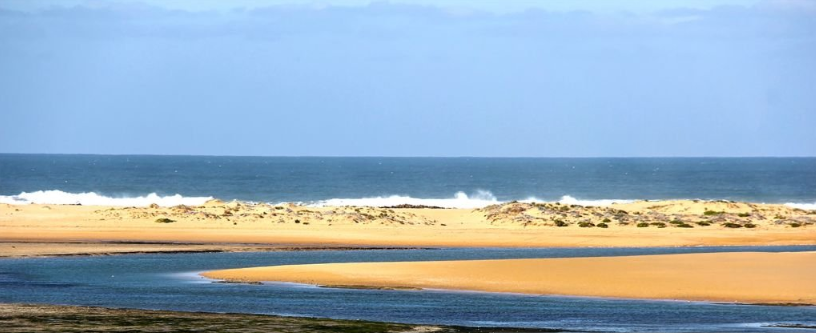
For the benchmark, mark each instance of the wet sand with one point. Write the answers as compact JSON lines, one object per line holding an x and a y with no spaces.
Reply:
{"x":101,"y":248}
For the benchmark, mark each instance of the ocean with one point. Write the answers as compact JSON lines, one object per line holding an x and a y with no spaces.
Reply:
{"x":140,"y":180}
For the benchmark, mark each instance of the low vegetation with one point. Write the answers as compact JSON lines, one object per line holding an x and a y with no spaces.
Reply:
{"x":54,"y":318}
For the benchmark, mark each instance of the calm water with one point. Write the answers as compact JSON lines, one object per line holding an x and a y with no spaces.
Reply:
{"x":293,"y":179}
{"x":169,"y":282}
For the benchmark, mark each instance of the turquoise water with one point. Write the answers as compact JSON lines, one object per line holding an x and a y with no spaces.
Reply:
{"x":170,"y":281}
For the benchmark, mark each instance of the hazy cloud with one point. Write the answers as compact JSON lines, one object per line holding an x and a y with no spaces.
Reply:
{"x":395,"y":79}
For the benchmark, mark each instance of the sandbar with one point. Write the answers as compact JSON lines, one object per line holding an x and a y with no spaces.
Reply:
{"x":751,"y":277}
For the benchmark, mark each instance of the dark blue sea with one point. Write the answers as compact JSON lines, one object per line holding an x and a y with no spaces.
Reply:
{"x":451,"y":182}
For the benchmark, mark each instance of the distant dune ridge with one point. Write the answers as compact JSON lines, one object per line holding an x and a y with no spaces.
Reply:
{"x":514,"y":224}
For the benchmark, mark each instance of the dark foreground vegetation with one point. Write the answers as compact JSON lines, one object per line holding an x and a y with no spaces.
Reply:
{"x":55,"y":318}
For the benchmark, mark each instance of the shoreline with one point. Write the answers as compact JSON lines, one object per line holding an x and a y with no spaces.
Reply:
{"x":114,"y":248}
{"x":468,"y":291}
{"x":16,"y":250}
{"x":784,"y":278}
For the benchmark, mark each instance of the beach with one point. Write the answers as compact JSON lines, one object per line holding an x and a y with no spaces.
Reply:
{"x":49,"y":230}
{"x":220,"y":225}
{"x":755,"y":278}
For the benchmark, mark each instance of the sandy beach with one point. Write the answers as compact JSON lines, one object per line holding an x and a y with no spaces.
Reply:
{"x":42,"y":230}
{"x":781,"y":278}
{"x":669,"y":223}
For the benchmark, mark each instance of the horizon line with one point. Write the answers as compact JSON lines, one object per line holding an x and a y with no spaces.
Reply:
{"x":417,"y":156}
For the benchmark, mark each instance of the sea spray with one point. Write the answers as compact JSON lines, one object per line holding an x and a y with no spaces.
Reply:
{"x":57,"y":197}
{"x":480,"y":198}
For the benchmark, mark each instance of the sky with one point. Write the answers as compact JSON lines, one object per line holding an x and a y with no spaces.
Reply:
{"x":409,"y":78}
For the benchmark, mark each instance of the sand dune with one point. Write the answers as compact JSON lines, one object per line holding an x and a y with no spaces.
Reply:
{"x":670,"y":223}
{"x":723,"y":277}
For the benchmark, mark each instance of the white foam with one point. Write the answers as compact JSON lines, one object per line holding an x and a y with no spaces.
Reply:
{"x":805,"y":206}
{"x":568,"y":200}
{"x":57,"y":197}
{"x":478,"y":199}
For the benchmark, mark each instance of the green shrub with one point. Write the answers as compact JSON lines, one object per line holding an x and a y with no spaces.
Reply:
{"x":732,"y":225}
{"x":659,"y":224}
{"x":684,"y":225}
{"x":602,"y":225}
{"x":795,"y":225}
{"x":749,"y":225}
{"x":165,"y":220}
{"x":676,"y":222}
{"x":642,"y":225}
{"x":711,"y":212}
{"x":703,"y":223}
{"x":606,"y":220}
{"x":743,"y":214}
{"x":586,"y":224}
{"x":560,"y":223}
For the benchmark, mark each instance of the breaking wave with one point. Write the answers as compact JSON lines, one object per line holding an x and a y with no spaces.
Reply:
{"x":568,"y":200}
{"x":57,"y":197}
{"x":479,"y":199}
{"x":806,"y":206}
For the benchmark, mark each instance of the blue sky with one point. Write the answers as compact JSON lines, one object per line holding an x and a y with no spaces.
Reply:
{"x":409,"y":78}
{"x":495,"y":6}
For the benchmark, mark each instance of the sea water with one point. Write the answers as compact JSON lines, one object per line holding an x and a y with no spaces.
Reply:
{"x":124,"y":180}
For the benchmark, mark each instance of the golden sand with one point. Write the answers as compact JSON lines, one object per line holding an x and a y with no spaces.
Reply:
{"x":745,"y":277}
{"x":670,"y":223}
{"x":723,"y":277}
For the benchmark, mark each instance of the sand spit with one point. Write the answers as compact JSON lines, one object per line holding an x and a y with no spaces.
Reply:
{"x":754,"y":277}
{"x":666,"y":223}
{"x":103,"y":248}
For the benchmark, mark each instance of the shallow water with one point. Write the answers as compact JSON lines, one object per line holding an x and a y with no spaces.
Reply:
{"x":170,"y":282}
